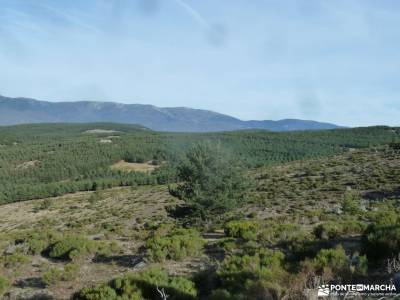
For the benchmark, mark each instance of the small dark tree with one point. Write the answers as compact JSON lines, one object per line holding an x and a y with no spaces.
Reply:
{"x":211,"y":181}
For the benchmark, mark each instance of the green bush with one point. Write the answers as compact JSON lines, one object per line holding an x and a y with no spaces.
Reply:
{"x":332,"y":264}
{"x":334,"y":259}
{"x":14,"y":260}
{"x":220,"y":294}
{"x":176,"y":245}
{"x":71,"y":247}
{"x":350,"y":204}
{"x":328,"y":230}
{"x":178,"y":288}
{"x":70,"y":272}
{"x":142,"y":286}
{"x":272,"y":232}
{"x":39,"y":241}
{"x":126,"y":287}
{"x":102,"y":292}
{"x":335,"y":229}
{"x":52,"y":276}
{"x":361,"y":266}
{"x":264,"y":290}
{"x":4,"y":285}
{"x":264,"y":264}
{"x":382,"y":237}
{"x":227,"y":244}
{"x":246,"y":230}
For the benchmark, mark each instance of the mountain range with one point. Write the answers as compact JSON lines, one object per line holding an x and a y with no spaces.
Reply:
{"x":24,"y":110}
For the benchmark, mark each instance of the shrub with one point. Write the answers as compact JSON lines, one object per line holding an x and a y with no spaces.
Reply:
{"x":4,"y":285}
{"x":178,"y":288}
{"x":246,"y":230}
{"x":52,"y":276}
{"x":264,"y":264}
{"x":361,"y":265}
{"x":382,"y":237}
{"x":327,"y":231}
{"x":70,"y":272}
{"x":333,"y":259}
{"x":14,"y":260}
{"x":39,"y":241}
{"x":106,"y":248}
{"x":44,"y":205}
{"x":71,"y":247}
{"x":124,"y":286}
{"x":176,"y":245}
{"x":272,"y":232}
{"x":264,"y":290}
{"x":350,"y":204}
{"x":142,"y":286}
{"x":333,"y":263}
{"x":332,"y":230}
{"x":102,"y":292}
{"x":220,"y":294}
{"x":227,"y":244}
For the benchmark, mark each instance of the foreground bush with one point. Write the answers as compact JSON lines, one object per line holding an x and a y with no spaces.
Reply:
{"x":334,"y":263}
{"x":246,"y":230}
{"x":334,"y":259}
{"x":102,"y":292}
{"x":4,"y":285}
{"x":175,"y":245}
{"x":141,"y":286}
{"x":14,"y":260}
{"x":382,"y":237}
{"x":332,"y":230}
{"x":39,"y":241}
{"x":52,"y":276}
{"x":244,"y":270}
{"x":71,"y":247}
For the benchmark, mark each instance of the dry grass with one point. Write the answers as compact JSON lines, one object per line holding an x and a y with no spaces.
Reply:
{"x":27,"y":164}
{"x":133,"y":167}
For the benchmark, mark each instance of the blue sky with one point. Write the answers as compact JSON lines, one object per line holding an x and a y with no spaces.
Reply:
{"x":335,"y":61}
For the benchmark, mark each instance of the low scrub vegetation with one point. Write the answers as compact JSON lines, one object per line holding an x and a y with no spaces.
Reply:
{"x":71,"y":247}
{"x":149,"y":284}
{"x":4,"y":285}
{"x":245,"y":215}
{"x":177,"y":244}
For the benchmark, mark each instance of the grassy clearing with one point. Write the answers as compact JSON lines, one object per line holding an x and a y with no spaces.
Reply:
{"x":133,"y":167}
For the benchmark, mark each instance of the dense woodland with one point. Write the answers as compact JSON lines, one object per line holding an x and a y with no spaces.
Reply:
{"x":38,"y":161}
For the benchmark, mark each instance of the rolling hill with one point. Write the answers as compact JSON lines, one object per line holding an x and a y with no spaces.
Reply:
{"x":23,"y":111}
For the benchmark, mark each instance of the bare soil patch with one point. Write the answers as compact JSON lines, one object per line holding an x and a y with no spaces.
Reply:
{"x":27,"y":164}
{"x":100,"y":131}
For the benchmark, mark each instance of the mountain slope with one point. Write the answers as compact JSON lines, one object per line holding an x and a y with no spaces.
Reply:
{"x":22,"y":110}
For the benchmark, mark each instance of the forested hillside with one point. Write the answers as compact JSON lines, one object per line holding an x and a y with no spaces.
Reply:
{"x":46,"y":160}
{"x":301,"y":224}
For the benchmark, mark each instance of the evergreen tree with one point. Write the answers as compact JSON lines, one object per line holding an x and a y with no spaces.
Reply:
{"x":212,"y":182}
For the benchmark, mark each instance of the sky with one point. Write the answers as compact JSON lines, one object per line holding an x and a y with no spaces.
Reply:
{"x":334,"y":61}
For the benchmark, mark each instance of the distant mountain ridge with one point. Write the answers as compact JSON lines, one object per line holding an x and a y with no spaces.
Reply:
{"x":23,"y":111}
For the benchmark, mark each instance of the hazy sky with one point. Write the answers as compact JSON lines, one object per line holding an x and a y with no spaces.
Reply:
{"x":327,"y":60}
